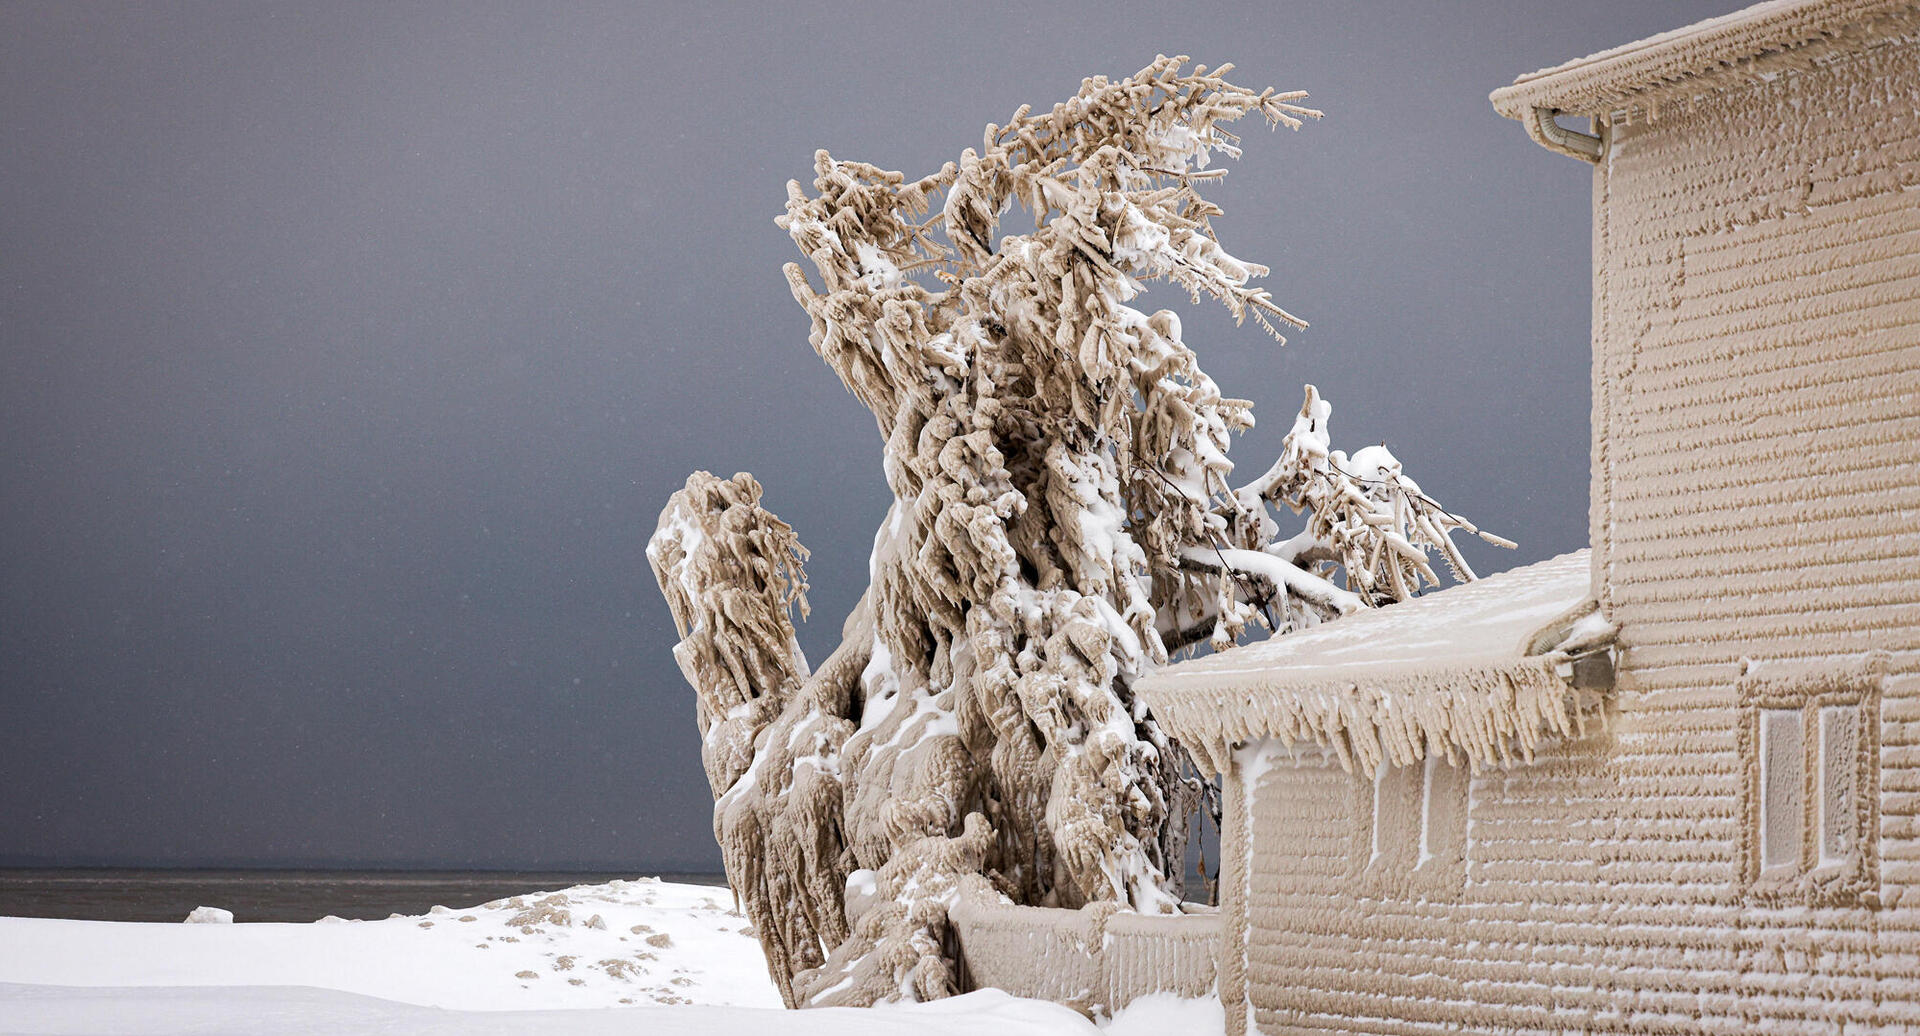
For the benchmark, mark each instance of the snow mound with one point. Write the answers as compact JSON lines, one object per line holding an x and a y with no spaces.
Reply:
{"x":643,"y":943}
{"x":1164,"y":1014}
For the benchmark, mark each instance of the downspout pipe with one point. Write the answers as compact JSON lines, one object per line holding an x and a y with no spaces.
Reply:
{"x":1554,"y":137}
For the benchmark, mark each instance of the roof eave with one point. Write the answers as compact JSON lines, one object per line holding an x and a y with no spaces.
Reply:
{"x":1484,"y":716}
{"x":1596,"y":84}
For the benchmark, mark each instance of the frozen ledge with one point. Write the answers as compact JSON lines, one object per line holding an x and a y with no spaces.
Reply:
{"x":1486,"y":716}
{"x":1481,"y":673}
{"x":1783,"y":28}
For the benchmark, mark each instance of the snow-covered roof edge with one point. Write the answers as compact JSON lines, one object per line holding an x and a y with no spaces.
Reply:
{"x":1488,"y":708}
{"x":1612,"y":78}
{"x":1488,"y":715}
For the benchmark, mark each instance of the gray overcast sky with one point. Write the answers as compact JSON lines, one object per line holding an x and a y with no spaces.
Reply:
{"x":349,"y":351}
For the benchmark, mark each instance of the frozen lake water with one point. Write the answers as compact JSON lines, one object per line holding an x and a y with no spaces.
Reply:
{"x":114,"y":894}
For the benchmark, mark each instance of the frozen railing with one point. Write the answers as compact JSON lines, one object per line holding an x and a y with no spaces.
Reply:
{"x":1096,"y":959}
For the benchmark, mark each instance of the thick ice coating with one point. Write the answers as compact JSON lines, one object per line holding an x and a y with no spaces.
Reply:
{"x":1062,"y":521}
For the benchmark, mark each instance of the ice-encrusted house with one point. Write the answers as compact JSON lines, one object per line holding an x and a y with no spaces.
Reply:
{"x":1671,"y":784}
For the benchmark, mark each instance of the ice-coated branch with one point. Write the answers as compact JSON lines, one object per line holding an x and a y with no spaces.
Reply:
{"x":1062,"y":520}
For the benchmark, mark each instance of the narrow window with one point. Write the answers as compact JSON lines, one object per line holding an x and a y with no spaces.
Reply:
{"x":1382,"y":814}
{"x":1837,"y":821}
{"x":1427,"y":817}
{"x":1782,"y":787}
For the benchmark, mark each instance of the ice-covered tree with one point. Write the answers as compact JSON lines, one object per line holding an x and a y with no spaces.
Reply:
{"x":1063,"y":520}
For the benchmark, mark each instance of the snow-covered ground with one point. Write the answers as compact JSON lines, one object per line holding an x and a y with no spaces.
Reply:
{"x":627,"y":956}
{"x":624,"y":943}
{"x":301,"y":1011}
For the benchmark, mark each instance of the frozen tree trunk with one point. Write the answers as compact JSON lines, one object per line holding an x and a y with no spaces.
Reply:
{"x":1062,"y":520}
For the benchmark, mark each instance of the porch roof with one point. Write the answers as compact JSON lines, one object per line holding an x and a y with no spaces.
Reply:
{"x":1480,"y":670}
